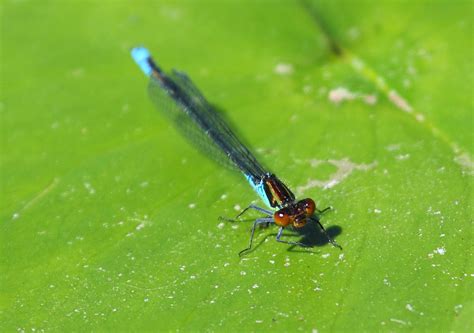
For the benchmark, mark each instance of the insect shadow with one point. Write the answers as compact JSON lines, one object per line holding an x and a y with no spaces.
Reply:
{"x":310,"y":235}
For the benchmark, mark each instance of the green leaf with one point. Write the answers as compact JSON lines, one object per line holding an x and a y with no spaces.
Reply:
{"x":110,"y":219}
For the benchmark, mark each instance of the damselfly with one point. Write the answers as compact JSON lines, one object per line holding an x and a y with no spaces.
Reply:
{"x":177,"y":97}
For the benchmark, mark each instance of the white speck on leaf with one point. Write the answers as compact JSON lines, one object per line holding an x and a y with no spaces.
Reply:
{"x":393,"y":147}
{"x":344,"y":168}
{"x":440,"y":251}
{"x":331,"y":183}
{"x":284,"y":69}
{"x":465,"y":161}
{"x":89,"y":188}
{"x":398,"y":321}
{"x":342,"y":94}
{"x":420,"y":117}
{"x":400,"y":102}
{"x":402,"y":157}
{"x":370,"y":99}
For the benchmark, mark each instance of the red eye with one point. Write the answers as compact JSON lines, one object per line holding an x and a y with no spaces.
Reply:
{"x":309,"y":206}
{"x":282,"y":218}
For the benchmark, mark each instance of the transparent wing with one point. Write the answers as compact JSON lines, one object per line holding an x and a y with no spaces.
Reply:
{"x":182,"y":102}
{"x":185,"y":125}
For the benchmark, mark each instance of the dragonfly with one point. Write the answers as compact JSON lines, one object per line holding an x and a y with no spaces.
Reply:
{"x":179,"y":99}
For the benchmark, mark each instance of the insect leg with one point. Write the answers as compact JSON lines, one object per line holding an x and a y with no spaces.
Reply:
{"x":263,"y":210}
{"x":324,"y":210}
{"x":333,"y":242}
{"x":257,"y":221}
{"x":278,"y":236}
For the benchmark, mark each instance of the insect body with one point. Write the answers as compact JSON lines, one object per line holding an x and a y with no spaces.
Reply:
{"x":179,"y":99}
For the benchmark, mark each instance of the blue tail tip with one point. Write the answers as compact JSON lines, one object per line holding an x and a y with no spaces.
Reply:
{"x":141,"y":55}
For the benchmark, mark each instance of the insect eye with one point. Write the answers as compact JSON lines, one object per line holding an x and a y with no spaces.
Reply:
{"x":281,"y":218}
{"x":309,"y":206}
